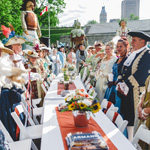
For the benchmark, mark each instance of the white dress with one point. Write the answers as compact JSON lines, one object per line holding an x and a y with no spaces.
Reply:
{"x":57,"y":66}
{"x":102,"y":76}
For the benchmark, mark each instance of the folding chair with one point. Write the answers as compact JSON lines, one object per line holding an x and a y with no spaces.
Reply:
{"x":43,"y":85}
{"x":117,"y":119}
{"x":142,"y":134}
{"x":17,"y":145}
{"x":105,"y":105}
{"x":36,"y":112}
{"x":35,"y":102}
{"x":33,"y":131}
{"x":84,"y":74}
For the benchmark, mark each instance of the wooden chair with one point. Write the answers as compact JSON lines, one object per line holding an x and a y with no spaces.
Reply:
{"x":117,"y":119}
{"x":17,"y":145}
{"x":142,"y":134}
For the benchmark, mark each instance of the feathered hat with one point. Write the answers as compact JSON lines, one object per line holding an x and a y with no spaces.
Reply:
{"x":12,"y":39}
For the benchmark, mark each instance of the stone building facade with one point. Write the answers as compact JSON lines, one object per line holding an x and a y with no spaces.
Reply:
{"x":105,"y":32}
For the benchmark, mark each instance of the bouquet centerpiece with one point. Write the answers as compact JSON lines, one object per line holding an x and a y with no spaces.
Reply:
{"x":71,"y":67}
{"x":84,"y":104}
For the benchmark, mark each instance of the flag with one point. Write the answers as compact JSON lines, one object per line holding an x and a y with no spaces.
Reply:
{"x":44,"y":10}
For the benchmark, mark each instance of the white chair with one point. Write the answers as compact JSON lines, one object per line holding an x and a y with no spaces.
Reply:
{"x":108,"y":105}
{"x":17,"y":145}
{"x":37,"y":111}
{"x":44,"y":87}
{"x":35,"y":102}
{"x":92,"y":92}
{"x":142,"y":134}
{"x":87,"y":82}
{"x":117,"y":119}
{"x":84,"y":74}
{"x":33,"y":131}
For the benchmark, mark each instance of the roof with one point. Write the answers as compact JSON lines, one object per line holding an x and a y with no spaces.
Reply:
{"x":143,"y":25}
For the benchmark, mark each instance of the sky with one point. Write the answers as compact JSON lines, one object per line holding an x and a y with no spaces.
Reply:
{"x":86,"y":10}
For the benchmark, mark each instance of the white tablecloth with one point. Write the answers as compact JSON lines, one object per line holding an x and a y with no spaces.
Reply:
{"x":51,"y":136}
{"x":52,"y":92}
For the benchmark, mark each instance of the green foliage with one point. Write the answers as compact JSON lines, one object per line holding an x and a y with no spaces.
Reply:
{"x":92,"y":22}
{"x":55,"y":8}
{"x":133,"y":17}
{"x":10,"y":13}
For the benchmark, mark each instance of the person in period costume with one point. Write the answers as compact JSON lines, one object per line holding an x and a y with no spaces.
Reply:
{"x":134,"y":73}
{"x":81,"y":55}
{"x":29,"y":21}
{"x":61,"y":55}
{"x":88,"y":59}
{"x":71,"y":56}
{"x":15,"y":43}
{"x":46,"y":54}
{"x":144,"y":111}
{"x":98,"y":56}
{"x":10,"y":96}
{"x":111,"y":92}
{"x":123,"y":30}
{"x":32,"y":64}
{"x":78,"y":36}
{"x":65,"y":57}
{"x":105,"y":68}
{"x":57,"y":62}
{"x":3,"y":69}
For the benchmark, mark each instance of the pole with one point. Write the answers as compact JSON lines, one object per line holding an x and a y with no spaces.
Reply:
{"x":49,"y":41}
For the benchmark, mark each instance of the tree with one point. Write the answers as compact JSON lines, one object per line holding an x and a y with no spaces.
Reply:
{"x":55,"y":7}
{"x":133,"y":17}
{"x":10,"y":13}
{"x":92,"y":22}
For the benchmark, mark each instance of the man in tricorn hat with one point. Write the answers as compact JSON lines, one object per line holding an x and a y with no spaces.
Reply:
{"x":29,"y":21}
{"x":134,"y":73}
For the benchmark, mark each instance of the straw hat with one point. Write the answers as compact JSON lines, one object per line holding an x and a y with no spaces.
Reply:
{"x":4,"y":49}
{"x":90,"y":47}
{"x":44,"y":47}
{"x":30,"y":53}
{"x":98,"y":44}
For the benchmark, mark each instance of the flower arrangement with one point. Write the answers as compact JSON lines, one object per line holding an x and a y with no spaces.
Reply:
{"x":82,"y":102}
{"x":71,"y":67}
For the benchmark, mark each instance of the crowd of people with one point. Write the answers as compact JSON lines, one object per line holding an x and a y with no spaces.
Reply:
{"x":118,"y":73}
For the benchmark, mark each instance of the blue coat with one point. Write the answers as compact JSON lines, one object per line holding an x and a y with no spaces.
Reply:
{"x":134,"y":76}
{"x":9,"y":98}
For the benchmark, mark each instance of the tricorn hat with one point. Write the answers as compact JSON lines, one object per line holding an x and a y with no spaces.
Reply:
{"x":140,"y":34}
{"x":15,"y":40}
{"x":23,"y":8}
{"x":4,"y":49}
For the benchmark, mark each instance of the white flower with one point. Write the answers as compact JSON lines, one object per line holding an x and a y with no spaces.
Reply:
{"x":87,"y":102}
